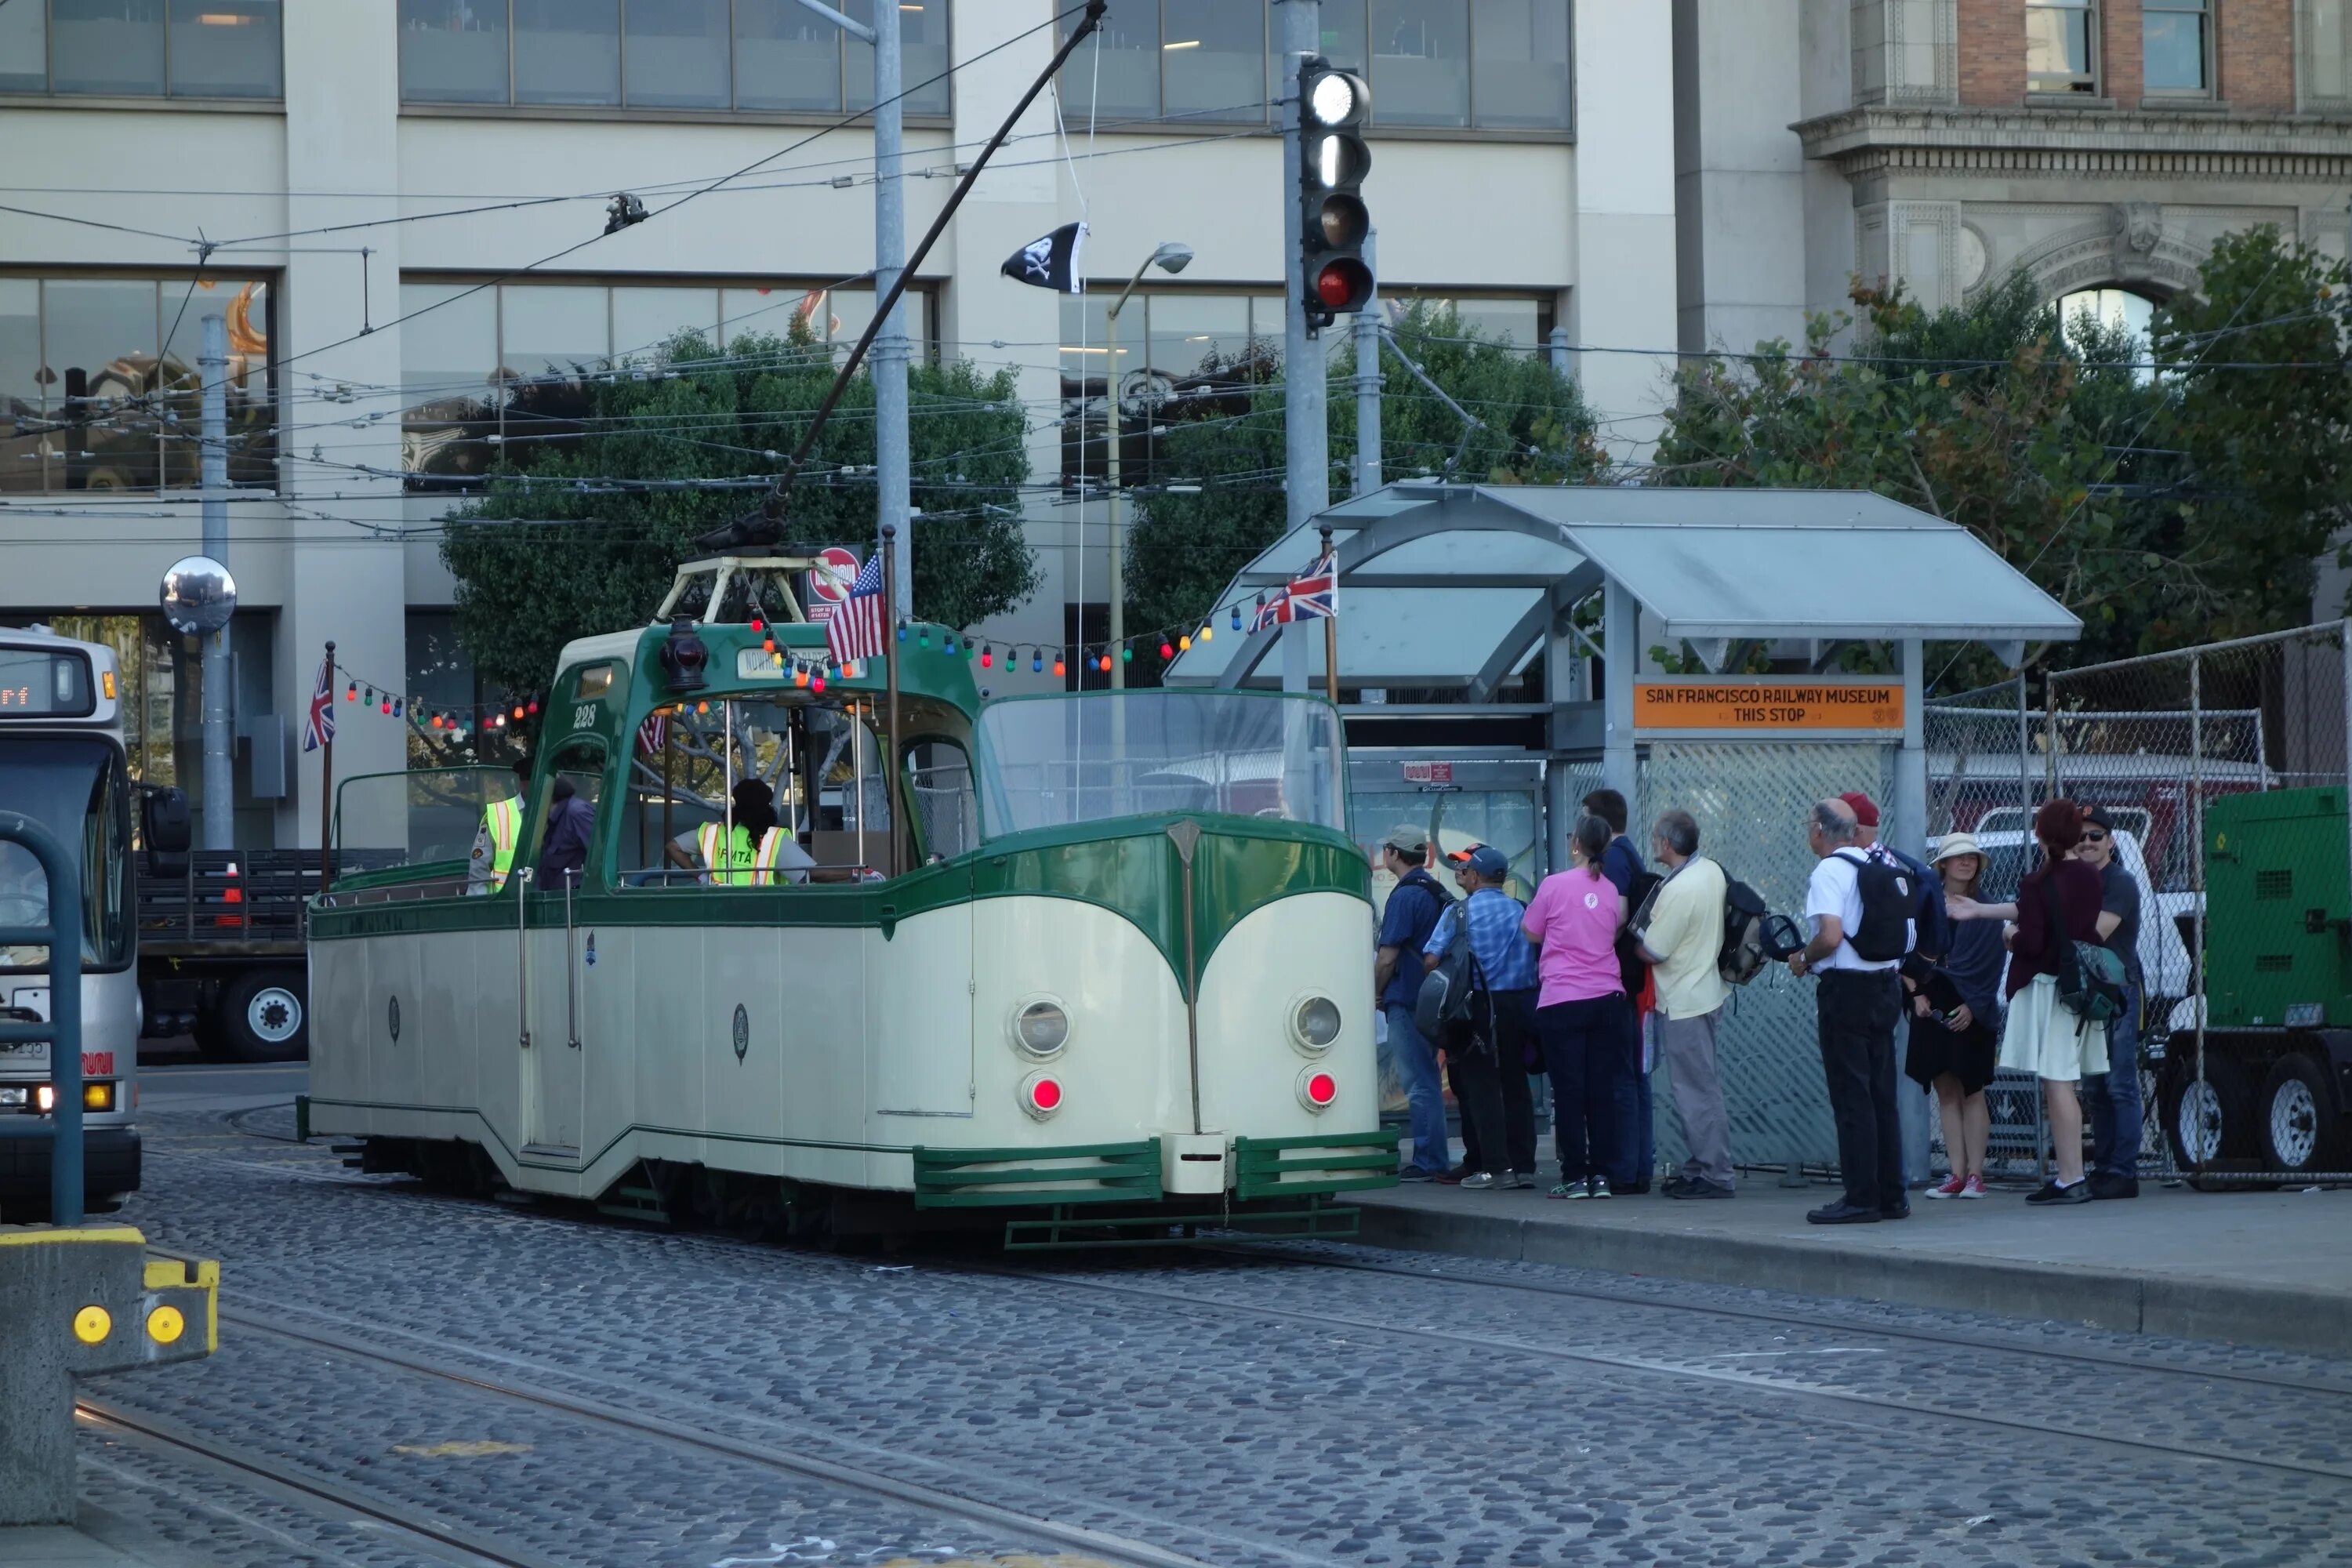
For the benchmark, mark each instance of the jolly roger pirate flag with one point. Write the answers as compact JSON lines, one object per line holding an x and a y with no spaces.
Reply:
{"x":1051,"y":262}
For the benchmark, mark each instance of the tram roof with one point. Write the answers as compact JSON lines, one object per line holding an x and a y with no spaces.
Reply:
{"x":1447,"y":586}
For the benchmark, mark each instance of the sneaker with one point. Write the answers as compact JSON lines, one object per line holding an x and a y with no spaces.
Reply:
{"x":2108,"y":1185}
{"x":1567,"y":1189}
{"x":1953,"y":1186}
{"x":1518,"y":1179}
{"x":1599,"y":1188}
{"x":1454,"y":1177}
{"x":1415,"y":1173}
{"x":1696,"y":1187}
{"x":1974,"y":1188}
{"x":2050,"y":1192}
{"x":1475,"y":1182}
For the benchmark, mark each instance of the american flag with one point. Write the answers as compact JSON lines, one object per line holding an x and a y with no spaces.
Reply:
{"x":321,"y":727}
{"x":855,"y":632}
{"x":1312,"y":596}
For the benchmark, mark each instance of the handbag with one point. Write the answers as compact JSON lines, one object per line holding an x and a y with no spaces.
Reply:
{"x":2090,"y":977}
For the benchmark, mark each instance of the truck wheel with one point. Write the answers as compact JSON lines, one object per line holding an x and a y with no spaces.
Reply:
{"x":264,"y":1015}
{"x":2212,"y":1120}
{"x":2300,"y":1128}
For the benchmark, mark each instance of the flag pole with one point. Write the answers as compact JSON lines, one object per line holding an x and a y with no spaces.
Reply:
{"x":1332,"y":626}
{"x":327,"y":782}
{"x":891,"y":766}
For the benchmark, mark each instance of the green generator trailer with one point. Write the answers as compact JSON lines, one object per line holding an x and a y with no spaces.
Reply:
{"x":2276,"y":1092}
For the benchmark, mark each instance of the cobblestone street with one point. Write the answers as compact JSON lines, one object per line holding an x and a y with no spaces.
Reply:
{"x":537,"y":1386}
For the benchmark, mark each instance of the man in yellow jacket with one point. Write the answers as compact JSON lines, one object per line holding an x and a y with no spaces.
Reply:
{"x":495,"y":839}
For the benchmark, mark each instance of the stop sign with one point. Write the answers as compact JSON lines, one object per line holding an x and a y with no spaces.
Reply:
{"x":835,"y":571}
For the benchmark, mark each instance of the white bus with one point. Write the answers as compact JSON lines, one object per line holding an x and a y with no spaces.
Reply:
{"x":62,"y":763}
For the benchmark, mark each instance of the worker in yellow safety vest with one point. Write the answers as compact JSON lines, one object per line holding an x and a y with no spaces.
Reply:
{"x":496,"y":838}
{"x":761,"y":853}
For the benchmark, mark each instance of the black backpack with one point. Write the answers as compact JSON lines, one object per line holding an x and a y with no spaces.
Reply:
{"x":1745,"y":950}
{"x":1890,"y":902}
{"x":1633,"y":969}
{"x":1451,"y":993}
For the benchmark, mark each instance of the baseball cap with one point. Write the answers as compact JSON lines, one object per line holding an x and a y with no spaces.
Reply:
{"x":1486,"y":860}
{"x":2098,"y":817}
{"x":1405,"y":835}
{"x":1864,"y":813}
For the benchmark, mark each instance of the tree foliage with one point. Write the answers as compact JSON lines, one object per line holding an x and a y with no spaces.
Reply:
{"x":2148,"y":497}
{"x":548,"y":551}
{"x":1185,"y":547}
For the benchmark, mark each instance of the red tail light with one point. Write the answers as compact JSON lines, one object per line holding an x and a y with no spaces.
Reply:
{"x":1040,"y":1094}
{"x":1317,"y":1088}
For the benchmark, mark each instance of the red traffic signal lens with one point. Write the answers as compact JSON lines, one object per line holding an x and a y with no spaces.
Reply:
{"x":1343,"y":285}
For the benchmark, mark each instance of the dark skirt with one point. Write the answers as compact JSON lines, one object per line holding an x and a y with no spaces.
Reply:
{"x":1936,"y":1051}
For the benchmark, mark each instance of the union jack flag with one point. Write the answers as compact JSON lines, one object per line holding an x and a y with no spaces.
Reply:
{"x":320,"y":729}
{"x":855,"y":632}
{"x":652,"y":734}
{"x":1312,"y":596}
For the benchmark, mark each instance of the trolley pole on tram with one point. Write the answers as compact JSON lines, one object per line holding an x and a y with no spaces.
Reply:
{"x":893,"y":769}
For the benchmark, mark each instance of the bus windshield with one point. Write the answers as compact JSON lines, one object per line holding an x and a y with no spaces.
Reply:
{"x":72,"y":786}
{"x":1058,"y":761}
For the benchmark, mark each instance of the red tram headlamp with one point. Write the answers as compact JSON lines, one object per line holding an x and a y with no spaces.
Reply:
{"x":1040,"y":1028}
{"x":1318,"y":1090}
{"x":1314,"y":1024}
{"x":1040,"y":1094}
{"x":683,"y":658}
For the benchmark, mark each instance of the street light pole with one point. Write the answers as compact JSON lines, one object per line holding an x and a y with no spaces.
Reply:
{"x":1172,"y":259}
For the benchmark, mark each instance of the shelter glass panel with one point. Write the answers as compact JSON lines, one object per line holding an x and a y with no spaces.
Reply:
{"x":453,"y":51}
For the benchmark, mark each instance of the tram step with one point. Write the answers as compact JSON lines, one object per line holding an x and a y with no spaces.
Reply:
{"x":634,"y":1203}
{"x":1072,"y":1228}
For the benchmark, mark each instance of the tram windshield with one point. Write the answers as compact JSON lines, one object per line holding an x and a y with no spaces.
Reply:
{"x":74,"y":786}
{"x":1056,"y":760}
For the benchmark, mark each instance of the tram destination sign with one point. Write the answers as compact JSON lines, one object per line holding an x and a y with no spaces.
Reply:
{"x":1805,"y":705}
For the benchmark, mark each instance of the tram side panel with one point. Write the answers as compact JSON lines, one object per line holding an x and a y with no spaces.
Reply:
{"x":916,"y":1082}
{"x":1124,"y":1071}
{"x":1276,"y":957}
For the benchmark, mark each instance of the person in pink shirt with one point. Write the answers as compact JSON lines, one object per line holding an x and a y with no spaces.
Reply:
{"x":1580,"y":1018}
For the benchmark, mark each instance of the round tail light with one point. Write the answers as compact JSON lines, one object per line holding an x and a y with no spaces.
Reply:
{"x":1317,"y":1088}
{"x":1041,"y":1094}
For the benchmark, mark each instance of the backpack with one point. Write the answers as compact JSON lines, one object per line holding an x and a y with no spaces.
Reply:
{"x":1890,"y":902}
{"x":2091,"y":977}
{"x":1450,"y":993}
{"x":1633,"y":969}
{"x":1744,"y":953}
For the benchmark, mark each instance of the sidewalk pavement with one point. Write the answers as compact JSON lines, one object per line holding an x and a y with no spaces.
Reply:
{"x":64,"y":1546}
{"x":2263,"y":1269}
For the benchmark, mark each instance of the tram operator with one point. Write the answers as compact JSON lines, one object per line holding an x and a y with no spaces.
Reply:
{"x":762,"y":853}
{"x":495,"y":840}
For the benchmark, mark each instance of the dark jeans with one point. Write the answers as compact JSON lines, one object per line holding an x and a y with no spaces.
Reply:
{"x":1857,"y":1010}
{"x":1498,"y":1108}
{"x":1638,"y":1113}
{"x":2112,"y":1101}
{"x":1588,"y":1055}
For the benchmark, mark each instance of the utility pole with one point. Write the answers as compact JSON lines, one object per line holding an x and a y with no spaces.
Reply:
{"x":220,"y":741}
{"x":1368,"y":383}
{"x":1306,"y":436}
{"x":892,"y":464}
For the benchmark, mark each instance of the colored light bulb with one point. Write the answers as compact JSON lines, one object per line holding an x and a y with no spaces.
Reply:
{"x":1184,"y":645}
{"x":988,"y":658}
{"x":1168,"y":650}
{"x":1059,"y":670}
{"x":1206,"y":632}
{"x":1126,"y":654}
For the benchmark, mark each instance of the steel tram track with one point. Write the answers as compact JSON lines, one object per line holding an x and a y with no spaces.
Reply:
{"x":1113,"y":1551}
{"x":343,"y":1499}
{"x":1845,"y":1404}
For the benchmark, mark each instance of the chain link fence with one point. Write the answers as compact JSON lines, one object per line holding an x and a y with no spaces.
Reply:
{"x":2223,"y":770}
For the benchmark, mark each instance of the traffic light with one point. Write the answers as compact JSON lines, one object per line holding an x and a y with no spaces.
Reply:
{"x":1332,"y":164}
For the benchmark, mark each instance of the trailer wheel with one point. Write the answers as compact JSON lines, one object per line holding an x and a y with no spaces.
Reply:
{"x":264,"y":1015}
{"x":2300,"y":1128}
{"x":2212,"y":1120}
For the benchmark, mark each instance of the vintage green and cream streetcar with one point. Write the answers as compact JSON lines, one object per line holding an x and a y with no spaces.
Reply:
{"x":781,"y":944}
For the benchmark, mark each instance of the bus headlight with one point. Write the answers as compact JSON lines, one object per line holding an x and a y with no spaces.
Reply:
{"x":45,"y":1098}
{"x":1314,"y":1024}
{"x":1040,"y":1028}
{"x":12,"y":1097}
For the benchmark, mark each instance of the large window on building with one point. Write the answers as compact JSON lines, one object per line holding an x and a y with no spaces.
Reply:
{"x":2177,"y":45}
{"x":2323,"y":37}
{"x":2062,"y":46}
{"x":99,"y":388}
{"x":1500,"y":65}
{"x":488,"y":367}
{"x":763,"y":55}
{"x":143,"y":48}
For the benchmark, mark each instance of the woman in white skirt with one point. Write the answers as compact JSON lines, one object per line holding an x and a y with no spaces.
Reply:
{"x":2057,"y":904}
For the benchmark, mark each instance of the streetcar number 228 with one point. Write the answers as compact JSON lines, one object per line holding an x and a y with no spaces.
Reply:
{"x":583,"y":717}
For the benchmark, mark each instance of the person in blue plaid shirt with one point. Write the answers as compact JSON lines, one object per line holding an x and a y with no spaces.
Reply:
{"x":1498,"y":1111}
